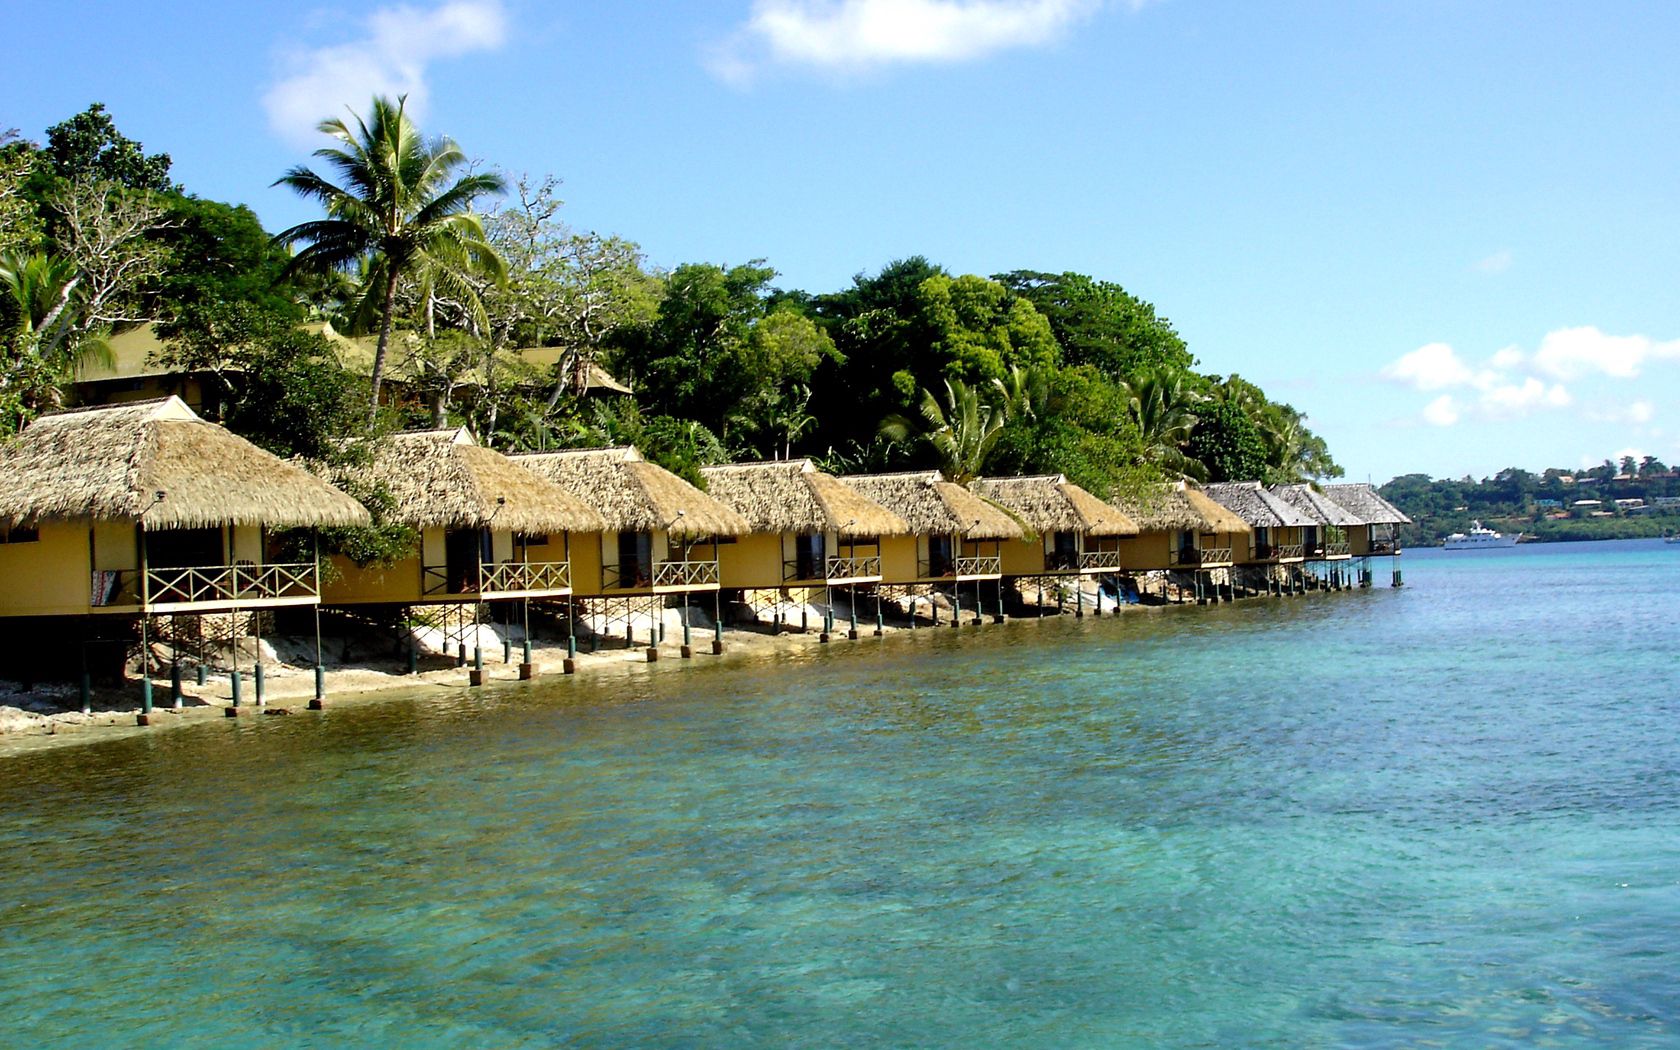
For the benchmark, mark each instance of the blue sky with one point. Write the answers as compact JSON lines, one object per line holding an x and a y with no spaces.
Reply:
{"x":1444,"y":230}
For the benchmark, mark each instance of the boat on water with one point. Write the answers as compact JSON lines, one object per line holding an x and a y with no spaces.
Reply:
{"x":1673,"y":537}
{"x":1478,"y":538}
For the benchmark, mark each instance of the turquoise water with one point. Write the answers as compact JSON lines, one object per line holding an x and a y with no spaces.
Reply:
{"x":1443,"y":816}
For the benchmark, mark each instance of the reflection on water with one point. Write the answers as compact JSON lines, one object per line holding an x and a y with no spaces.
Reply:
{"x":1443,"y":816}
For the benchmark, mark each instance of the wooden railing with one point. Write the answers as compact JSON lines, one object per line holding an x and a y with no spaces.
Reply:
{"x":1201,"y":556}
{"x":1333,"y":550}
{"x":854,"y":566}
{"x":685,"y":573}
{"x":978,"y":565}
{"x":1081,"y":561}
{"x":205,"y":585}
{"x":1387,"y":545}
{"x":1290,"y":551}
{"x":525,"y":576}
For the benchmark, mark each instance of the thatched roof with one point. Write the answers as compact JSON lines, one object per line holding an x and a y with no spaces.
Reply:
{"x":1049,"y":503}
{"x":936,"y":507}
{"x":1315,"y":505}
{"x":158,"y":463}
{"x":1250,"y":501}
{"x":1169,"y":508}
{"x":1362,"y":501}
{"x":445,"y":479}
{"x":794,"y":496}
{"x":633,"y":495}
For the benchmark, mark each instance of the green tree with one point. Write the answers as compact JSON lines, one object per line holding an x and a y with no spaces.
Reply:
{"x":402,"y":205}
{"x":1165,"y":410}
{"x":981,"y":329}
{"x":88,"y":147}
{"x":1101,"y":324}
{"x":1228,"y":444}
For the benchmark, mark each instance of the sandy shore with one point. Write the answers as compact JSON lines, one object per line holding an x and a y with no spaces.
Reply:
{"x":50,"y":715}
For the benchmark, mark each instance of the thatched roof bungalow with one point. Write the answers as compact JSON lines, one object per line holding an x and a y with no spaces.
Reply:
{"x":807,"y":526}
{"x":487,"y":526}
{"x":1180,"y":527}
{"x":161,"y":510}
{"x":1071,"y":531}
{"x":1327,"y":538}
{"x":954,"y":533}
{"x":1375,"y":534}
{"x":1278,"y":525}
{"x":661,"y":533}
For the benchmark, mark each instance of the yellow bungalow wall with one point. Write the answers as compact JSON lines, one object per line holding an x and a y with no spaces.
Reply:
{"x":52,"y":575}
{"x":1148,"y":551}
{"x":753,"y":561}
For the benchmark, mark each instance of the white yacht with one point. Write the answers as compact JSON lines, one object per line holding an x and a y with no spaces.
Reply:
{"x":1478,"y":538}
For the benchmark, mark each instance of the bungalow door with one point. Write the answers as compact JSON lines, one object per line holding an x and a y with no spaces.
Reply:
{"x":808,"y":556}
{"x":635,"y":559}
{"x":940,"y":561}
{"x":1309,"y":538}
{"x":464,"y":550}
{"x":1064,"y":552}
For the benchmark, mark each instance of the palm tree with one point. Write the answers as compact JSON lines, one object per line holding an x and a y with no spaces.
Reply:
{"x":399,"y":208}
{"x":50,"y":335}
{"x":962,"y":430}
{"x":1164,"y":410}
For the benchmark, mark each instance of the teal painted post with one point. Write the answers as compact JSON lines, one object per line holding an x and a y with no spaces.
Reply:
{"x":1078,"y":601}
{"x":259,"y":682}
{"x":233,"y":680}
{"x":956,"y":606}
{"x":202,"y":672}
{"x":687,"y":638}
{"x":507,"y":648}
{"x":880,"y":617}
{"x":461,"y":654}
{"x":717,"y":631}
{"x":320,"y":682}
{"x":145,"y":692}
{"x":852,"y":607}
{"x":175,"y":682}
{"x":478,"y":658}
{"x":571,"y":650}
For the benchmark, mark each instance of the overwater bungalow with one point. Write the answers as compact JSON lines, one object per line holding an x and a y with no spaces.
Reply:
{"x":1376,"y":534}
{"x":143,"y":509}
{"x":810,"y":533}
{"x":1181,"y":530}
{"x":489,"y":529}
{"x":1071,"y":533}
{"x":954,"y":540}
{"x":660,"y":537}
{"x":1277,"y":545}
{"x":1326,"y":540}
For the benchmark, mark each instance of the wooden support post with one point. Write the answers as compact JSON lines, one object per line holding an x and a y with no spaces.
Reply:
{"x":234,"y":683}
{"x":320,"y":688}
{"x":175,"y":680}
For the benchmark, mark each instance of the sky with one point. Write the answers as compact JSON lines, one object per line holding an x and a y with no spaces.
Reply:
{"x":1446,"y":231}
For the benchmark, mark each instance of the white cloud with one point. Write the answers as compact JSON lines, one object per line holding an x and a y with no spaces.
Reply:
{"x":838,"y":35}
{"x":1508,"y":400}
{"x":1434,"y":366}
{"x":1637,"y":413}
{"x":1569,"y":353}
{"x":390,"y":58}
{"x":1506,"y":359}
{"x":1441,"y":412}
{"x":1498,"y":262}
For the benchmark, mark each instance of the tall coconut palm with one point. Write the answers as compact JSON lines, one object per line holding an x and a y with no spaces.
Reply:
{"x":401,"y":207}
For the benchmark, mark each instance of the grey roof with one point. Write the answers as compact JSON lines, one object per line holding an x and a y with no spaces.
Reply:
{"x":1362,"y":501}
{"x":1249,"y":501}
{"x":1316,"y":505}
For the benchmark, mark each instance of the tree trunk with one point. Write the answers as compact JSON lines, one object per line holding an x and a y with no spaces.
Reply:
{"x":384,"y":340}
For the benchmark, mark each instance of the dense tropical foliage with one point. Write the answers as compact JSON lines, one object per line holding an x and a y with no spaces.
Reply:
{"x":487,"y":309}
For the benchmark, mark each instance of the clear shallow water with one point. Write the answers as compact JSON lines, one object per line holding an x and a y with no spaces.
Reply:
{"x":1445,"y":816}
